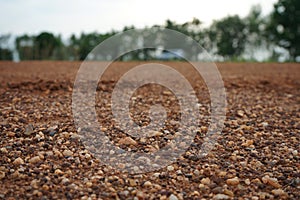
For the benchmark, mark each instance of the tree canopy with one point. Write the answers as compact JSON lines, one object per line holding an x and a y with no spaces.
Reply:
{"x":229,"y":38}
{"x":284,"y":27}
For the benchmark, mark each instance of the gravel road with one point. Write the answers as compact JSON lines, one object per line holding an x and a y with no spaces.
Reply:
{"x":257,"y":155}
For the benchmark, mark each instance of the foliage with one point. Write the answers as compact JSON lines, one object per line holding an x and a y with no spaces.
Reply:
{"x":231,"y":38}
{"x":284,"y":26}
{"x":25,"y":47}
{"x":5,"y":52}
{"x":229,"y":34}
{"x":44,"y":46}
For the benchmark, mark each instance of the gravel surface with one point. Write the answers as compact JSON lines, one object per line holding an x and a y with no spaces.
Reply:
{"x":256,"y":157}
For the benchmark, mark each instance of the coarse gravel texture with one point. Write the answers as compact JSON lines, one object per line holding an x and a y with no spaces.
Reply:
{"x":256,"y":157}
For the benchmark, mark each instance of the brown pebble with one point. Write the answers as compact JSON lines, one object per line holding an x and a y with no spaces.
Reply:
{"x":58,"y":172}
{"x":140,"y":194}
{"x":28,"y":129}
{"x":57,"y":153}
{"x":170,"y":168}
{"x":147,"y":184}
{"x":222,"y":174}
{"x":132,"y":182}
{"x":16,"y":174}
{"x":2,"y":175}
{"x":248,"y":143}
{"x":240,"y":113}
{"x":220,"y":197}
{"x":10,"y":134}
{"x":228,"y":192}
{"x":67,"y":152}
{"x":217,"y":190}
{"x":127,"y":141}
{"x":247,"y":182}
{"x":205,"y":181}
{"x":155,"y":134}
{"x":233,"y":181}
{"x":45,"y":187}
{"x":271,"y":181}
{"x":278,"y":192}
{"x":18,"y":161}
{"x":3,"y":150}
{"x":34,"y":183}
{"x":89,"y":184}
{"x":34,"y":160}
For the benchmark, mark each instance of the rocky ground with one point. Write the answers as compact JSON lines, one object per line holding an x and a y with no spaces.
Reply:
{"x":256,"y":157}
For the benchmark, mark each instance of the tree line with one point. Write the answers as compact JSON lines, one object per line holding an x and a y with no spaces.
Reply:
{"x":230,"y":38}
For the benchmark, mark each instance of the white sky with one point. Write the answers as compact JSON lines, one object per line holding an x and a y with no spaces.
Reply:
{"x":76,"y":16}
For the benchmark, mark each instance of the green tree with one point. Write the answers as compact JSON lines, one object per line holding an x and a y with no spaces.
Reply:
{"x":255,"y":33}
{"x":60,"y":52}
{"x":25,"y":47}
{"x":73,"y":48}
{"x":5,"y":52}
{"x":44,"y":45}
{"x":86,"y":43}
{"x":284,"y":27}
{"x":229,"y":35}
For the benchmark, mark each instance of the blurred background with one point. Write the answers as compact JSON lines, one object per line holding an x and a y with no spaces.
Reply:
{"x":232,"y":30}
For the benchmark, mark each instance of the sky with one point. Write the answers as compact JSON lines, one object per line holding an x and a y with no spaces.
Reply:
{"x":75,"y":16}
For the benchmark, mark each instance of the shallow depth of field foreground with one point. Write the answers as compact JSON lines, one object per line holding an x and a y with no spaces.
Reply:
{"x":256,"y":157}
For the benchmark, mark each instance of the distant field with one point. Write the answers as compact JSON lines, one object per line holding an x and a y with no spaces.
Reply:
{"x":257,"y":155}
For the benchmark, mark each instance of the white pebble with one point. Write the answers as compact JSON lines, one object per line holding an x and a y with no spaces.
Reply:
{"x":173,"y":197}
{"x":170,"y":168}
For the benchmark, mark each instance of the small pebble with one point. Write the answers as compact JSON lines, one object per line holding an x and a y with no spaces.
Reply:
{"x":240,"y":113}
{"x":10,"y":134}
{"x":45,"y":187}
{"x":228,"y":192}
{"x":34,"y":183}
{"x":127,"y":141}
{"x":140,"y":194}
{"x":28,"y":130}
{"x":132,"y":182}
{"x":155,"y":134}
{"x":221,"y":196}
{"x":271,"y":181}
{"x":2,"y":175}
{"x":217,"y":190}
{"x":89,"y":184}
{"x":52,"y":133}
{"x":58,"y":172}
{"x":35,"y":159}
{"x":3,"y":150}
{"x":205,"y":181}
{"x":247,"y":181}
{"x":57,"y":153}
{"x":247,"y":143}
{"x":278,"y":192}
{"x":170,"y":168}
{"x":173,"y":197}
{"x":233,"y":181}
{"x":222,"y":174}
{"x":147,"y":184}
{"x":197,"y":172}
{"x":201,"y":186}
{"x":67,"y":153}
{"x":18,"y":161}
{"x":65,"y":180}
